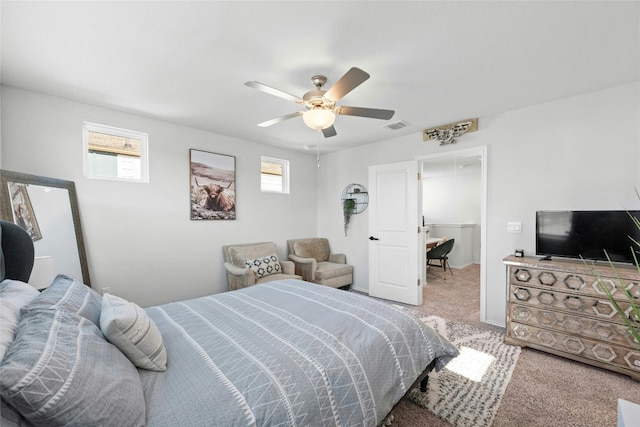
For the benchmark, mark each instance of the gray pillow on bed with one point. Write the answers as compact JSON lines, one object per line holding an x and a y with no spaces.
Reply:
{"x":60,"y":370}
{"x":10,"y":418}
{"x":68,"y":294}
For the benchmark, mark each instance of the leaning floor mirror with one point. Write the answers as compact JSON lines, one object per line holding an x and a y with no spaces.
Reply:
{"x":47,"y":208}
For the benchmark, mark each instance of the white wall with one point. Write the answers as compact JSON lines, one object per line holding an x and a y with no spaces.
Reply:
{"x":451,"y":195}
{"x":140,"y":241}
{"x":578,"y":153}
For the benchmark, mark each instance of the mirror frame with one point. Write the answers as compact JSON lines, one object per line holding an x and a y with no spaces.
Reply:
{"x":6,"y":212}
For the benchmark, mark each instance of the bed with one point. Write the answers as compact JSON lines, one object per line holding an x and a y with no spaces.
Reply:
{"x":282,"y":353}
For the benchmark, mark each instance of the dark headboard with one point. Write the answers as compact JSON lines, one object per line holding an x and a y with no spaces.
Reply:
{"x":16,"y":255}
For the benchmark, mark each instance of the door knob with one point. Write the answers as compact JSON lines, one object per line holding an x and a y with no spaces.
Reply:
{"x":373,"y":238}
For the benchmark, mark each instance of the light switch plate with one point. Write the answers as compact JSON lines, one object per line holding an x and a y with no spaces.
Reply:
{"x":514,"y":227}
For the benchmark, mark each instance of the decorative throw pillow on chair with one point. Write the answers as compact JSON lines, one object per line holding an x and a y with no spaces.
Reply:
{"x":264,"y":266}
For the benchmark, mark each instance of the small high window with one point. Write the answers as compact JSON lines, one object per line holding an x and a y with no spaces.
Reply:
{"x":274,"y":175}
{"x":113,"y":153}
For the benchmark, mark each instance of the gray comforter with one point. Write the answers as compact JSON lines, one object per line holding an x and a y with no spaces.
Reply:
{"x":286,"y":353}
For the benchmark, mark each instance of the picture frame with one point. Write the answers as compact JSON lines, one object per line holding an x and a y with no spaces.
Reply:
{"x":22,"y":210}
{"x":212,"y":182}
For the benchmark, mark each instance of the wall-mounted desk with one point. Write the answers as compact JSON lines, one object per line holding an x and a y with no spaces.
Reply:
{"x":432,"y":242}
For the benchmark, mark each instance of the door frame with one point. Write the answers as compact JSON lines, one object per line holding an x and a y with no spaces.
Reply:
{"x":482,"y":151}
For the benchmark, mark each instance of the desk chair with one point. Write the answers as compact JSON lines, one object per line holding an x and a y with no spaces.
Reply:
{"x":441,"y":254}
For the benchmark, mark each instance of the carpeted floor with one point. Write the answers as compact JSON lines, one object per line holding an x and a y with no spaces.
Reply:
{"x":544,"y":390}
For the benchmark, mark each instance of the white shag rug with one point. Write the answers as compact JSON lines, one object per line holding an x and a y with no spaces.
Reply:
{"x":468,"y":391}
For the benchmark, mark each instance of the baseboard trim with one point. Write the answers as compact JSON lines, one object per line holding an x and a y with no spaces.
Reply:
{"x":364,"y":291}
{"x":498,"y":324}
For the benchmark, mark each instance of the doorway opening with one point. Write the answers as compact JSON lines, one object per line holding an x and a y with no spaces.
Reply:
{"x":453,"y":201}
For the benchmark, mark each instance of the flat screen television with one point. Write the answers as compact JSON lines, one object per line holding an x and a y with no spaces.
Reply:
{"x":587,"y":234}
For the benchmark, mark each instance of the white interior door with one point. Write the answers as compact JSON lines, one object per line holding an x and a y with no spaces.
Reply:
{"x":394,"y":256}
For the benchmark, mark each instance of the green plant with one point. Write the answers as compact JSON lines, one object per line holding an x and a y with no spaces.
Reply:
{"x":632,"y":321}
{"x":348,"y":209}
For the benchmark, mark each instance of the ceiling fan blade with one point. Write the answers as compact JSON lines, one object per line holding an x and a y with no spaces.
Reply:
{"x":372,"y":113}
{"x":280,"y":119}
{"x":273,"y":91}
{"x":329,"y":132}
{"x":351,"y":80}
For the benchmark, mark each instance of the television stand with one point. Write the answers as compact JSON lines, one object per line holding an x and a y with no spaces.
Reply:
{"x":559,"y":307}
{"x":546,"y":258}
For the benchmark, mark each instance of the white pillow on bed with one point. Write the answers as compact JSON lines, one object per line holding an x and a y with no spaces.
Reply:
{"x":14,"y":294}
{"x":128,"y":327}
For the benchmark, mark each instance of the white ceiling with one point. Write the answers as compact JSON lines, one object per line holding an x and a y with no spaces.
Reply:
{"x":432,"y":62}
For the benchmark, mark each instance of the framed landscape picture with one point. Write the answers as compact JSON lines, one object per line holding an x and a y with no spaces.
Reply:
{"x":212,"y":178}
{"x":23,"y":213}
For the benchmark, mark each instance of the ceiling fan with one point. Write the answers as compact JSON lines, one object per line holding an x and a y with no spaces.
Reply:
{"x":321,"y":108}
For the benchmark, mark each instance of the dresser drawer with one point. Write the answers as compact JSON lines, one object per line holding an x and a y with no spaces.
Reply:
{"x":573,"y":282}
{"x":576,"y":346}
{"x":596,"y":329}
{"x":583,"y":305}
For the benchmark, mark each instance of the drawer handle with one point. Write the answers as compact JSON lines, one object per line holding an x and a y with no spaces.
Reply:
{"x":573,"y":303}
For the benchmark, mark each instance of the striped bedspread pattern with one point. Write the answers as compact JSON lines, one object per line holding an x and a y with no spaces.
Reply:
{"x":286,"y":353}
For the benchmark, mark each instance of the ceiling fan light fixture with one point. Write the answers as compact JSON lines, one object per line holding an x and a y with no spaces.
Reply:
{"x":319,"y":118}
{"x":321,"y":105}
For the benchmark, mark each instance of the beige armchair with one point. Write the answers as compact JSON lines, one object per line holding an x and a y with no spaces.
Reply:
{"x":315,"y":262}
{"x":263,"y":266}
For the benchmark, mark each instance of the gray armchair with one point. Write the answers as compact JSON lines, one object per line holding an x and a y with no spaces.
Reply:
{"x":239,"y":275}
{"x":315,"y":262}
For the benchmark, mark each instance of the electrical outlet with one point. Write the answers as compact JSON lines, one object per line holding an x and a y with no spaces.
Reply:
{"x":105,"y":290}
{"x":514,"y":227}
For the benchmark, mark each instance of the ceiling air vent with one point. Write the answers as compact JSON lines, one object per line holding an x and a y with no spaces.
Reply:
{"x":396,"y":125}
